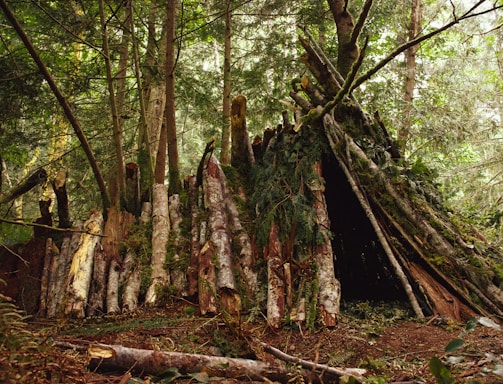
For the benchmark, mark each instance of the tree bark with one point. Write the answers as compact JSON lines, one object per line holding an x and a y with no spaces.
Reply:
{"x":60,"y":269}
{"x":213,"y":179}
{"x":226,"y":102}
{"x":177,"y":270}
{"x":329,"y":286}
{"x":119,"y":175}
{"x":276,"y":309}
{"x":59,"y":187}
{"x":241,"y":152}
{"x":175,"y":182}
{"x":160,"y":233}
{"x":80,"y":275}
{"x":195,"y":247}
{"x":416,"y":16}
{"x":105,"y":357}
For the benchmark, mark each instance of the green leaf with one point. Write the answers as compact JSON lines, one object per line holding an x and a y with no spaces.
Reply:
{"x":471,"y":324}
{"x":454,"y":345}
{"x":440,"y":371}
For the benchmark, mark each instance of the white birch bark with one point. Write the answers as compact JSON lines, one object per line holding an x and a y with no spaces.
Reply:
{"x":329,"y":295}
{"x":61,"y":267}
{"x":81,"y":269}
{"x":220,"y":236}
{"x":160,"y":232}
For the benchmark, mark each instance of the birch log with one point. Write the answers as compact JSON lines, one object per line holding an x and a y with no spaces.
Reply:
{"x":220,"y":236}
{"x":275,"y":282}
{"x":79,"y":279}
{"x":160,"y":232}
{"x":329,"y":286}
{"x":60,"y":270}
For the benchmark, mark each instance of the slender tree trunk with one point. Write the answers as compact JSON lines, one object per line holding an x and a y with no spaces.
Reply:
{"x":175,"y":182}
{"x":275,"y":283}
{"x":119,"y":174}
{"x":226,"y":102}
{"x":416,"y":16}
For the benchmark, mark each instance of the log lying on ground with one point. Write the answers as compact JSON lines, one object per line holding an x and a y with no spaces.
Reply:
{"x":104,"y":357}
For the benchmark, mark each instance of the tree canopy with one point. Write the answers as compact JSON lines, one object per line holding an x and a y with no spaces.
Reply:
{"x":455,"y":117}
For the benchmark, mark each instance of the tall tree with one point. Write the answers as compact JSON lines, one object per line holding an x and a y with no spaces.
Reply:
{"x":226,"y":102}
{"x":416,"y":16}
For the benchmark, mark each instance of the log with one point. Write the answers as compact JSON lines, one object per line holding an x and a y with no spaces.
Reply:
{"x":79,"y":279}
{"x":132,"y":284}
{"x":60,"y":269}
{"x":241,"y":151}
{"x":177,"y":269}
{"x":110,"y":358}
{"x":275,"y":279}
{"x":213,"y":177}
{"x":330,"y":288}
{"x":160,"y":233}
{"x":193,"y":268}
{"x":207,"y":281}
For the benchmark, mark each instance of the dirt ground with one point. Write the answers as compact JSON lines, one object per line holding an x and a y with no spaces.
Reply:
{"x":379,"y":337}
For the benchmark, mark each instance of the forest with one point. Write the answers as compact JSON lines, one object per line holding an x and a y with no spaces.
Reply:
{"x":251,"y":191}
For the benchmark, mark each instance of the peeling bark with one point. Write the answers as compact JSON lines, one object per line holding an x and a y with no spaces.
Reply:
{"x":220,"y":236}
{"x":241,"y":150}
{"x":160,"y":232}
{"x":275,"y":279}
{"x":329,"y":286}
{"x":79,"y":279}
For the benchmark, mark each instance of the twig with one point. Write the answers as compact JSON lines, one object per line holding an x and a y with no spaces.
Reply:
{"x":356,"y":373}
{"x":73,"y":230}
{"x":26,"y":262}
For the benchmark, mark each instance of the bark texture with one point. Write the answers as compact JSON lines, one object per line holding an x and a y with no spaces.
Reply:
{"x":241,"y":151}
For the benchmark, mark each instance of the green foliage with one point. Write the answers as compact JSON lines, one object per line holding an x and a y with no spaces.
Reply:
{"x":440,"y":371}
{"x":283,"y":188}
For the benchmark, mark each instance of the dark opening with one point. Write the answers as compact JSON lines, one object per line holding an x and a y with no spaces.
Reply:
{"x":362,"y":266}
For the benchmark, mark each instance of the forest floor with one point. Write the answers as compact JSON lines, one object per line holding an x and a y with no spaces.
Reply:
{"x":381,"y":338}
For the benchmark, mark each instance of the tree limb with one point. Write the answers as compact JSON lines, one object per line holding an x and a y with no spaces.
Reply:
{"x":418,"y":40}
{"x":72,"y":230}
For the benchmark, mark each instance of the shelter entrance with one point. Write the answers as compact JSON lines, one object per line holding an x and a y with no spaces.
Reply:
{"x":361,"y":264}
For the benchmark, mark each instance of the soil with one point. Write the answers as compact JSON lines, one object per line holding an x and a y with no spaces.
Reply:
{"x":382,"y":338}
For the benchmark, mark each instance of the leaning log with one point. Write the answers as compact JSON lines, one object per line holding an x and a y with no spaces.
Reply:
{"x":79,"y":279}
{"x":160,"y":232}
{"x":213,"y":179}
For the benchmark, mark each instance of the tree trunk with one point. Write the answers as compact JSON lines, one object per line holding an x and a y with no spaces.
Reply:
{"x":120,"y":172}
{"x":175,"y":182}
{"x":59,"y":187}
{"x":160,"y":233}
{"x":132,"y":195}
{"x":416,"y":16}
{"x":36,"y":178}
{"x":79,"y":278}
{"x":226,"y":102}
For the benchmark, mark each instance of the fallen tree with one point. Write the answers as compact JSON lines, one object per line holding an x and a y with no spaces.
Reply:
{"x":106,"y":357}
